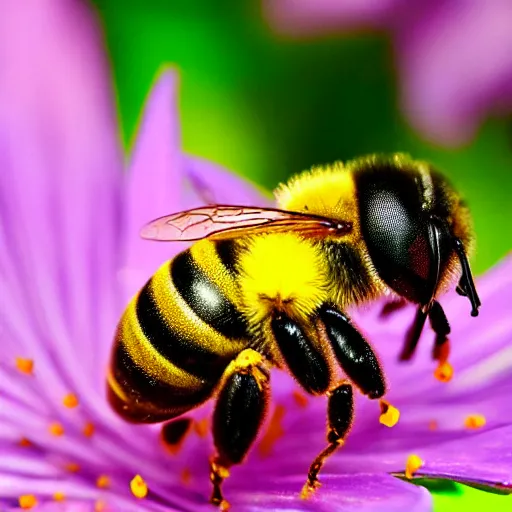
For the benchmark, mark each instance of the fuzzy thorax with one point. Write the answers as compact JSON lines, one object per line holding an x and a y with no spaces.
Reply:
{"x":282,"y":272}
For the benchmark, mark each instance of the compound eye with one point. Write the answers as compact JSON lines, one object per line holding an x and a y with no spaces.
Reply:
{"x":403,"y":242}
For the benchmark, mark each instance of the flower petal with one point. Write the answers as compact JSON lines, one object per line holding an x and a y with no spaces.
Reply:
{"x":456,"y":67}
{"x":298,"y":17}
{"x":339,"y":493}
{"x":59,"y":155}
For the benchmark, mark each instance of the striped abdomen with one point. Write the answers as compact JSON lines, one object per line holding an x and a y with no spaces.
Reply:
{"x":177,"y":336}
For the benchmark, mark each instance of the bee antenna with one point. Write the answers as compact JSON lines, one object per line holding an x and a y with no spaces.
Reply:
{"x":466,"y":283}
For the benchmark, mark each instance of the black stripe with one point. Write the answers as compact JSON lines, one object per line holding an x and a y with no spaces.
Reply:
{"x":142,"y":388}
{"x":228,"y":252}
{"x":205,"y":298}
{"x":182,"y":351}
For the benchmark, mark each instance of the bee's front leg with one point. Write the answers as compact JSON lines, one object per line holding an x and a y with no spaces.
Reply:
{"x":241,"y":406}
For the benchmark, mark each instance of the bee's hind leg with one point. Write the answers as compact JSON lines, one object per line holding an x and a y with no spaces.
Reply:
{"x":240,"y":409}
{"x":340,"y":412}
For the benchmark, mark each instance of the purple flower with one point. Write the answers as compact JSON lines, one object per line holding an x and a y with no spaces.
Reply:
{"x":455,"y":58}
{"x":70,"y":259}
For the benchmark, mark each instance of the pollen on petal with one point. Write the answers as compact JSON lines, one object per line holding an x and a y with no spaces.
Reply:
{"x":412,"y":465}
{"x":59,"y":496}
{"x":100,"y":506}
{"x":274,"y":431}
{"x":72,"y":467}
{"x":138,"y":487}
{"x":103,"y":482}
{"x":88,"y":430}
{"x":186,"y":476}
{"x":70,"y":401}
{"x":475,"y":421}
{"x":389,"y":415}
{"x":56,"y":429}
{"x":444,"y":372}
{"x":27,"y":501}
{"x":433,"y":425}
{"x":25,"y":365}
{"x":25,"y":442}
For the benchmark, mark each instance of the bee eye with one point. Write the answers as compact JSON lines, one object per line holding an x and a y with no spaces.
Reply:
{"x":408,"y":247}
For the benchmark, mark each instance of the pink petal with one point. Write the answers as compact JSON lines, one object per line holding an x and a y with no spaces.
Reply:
{"x":59,"y":186}
{"x":457,"y":67}
{"x":299,"y":17}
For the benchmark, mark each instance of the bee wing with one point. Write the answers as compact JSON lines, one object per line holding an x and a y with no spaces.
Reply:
{"x":222,"y":222}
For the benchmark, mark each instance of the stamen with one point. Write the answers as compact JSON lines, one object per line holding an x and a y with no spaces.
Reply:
{"x":444,"y":372}
{"x":412,"y":465}
{"x":27,"y":501}
{"x":475,"y":421}
{"x":25,"y":443}
{"x":274,"y":431}
{"x":138,"y":487}
{"x":72,"y":467}
{"x":88,"y":429}
{"x":56,"y":429}
{"x":201,"y":427}
{"x":59,"y":496}
{"x":25,"y":365}
{"x":300,"y":399}
{"x":103,"y":482}
{"x":389,"y":415}
{"x":70,"y":401}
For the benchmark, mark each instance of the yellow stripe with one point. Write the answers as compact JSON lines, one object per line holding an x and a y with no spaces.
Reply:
{"x":116,"y":388}
{"x":147,"y":357}
{"x":207,"y":259}
{"x":182,"y":319}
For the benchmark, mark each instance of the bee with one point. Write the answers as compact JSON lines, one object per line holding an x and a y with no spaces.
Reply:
{"x":270,"y":287}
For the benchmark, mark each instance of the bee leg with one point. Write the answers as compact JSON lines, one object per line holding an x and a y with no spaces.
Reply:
{"x":392,"y":306}
{"x":413,"y":335}
{"x":441,"y":327}
{"x":240,"y":409}
{"x":340,"y":413}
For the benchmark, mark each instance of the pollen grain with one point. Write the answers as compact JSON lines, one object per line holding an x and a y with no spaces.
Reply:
{"x":103,"y":482}
{"x":444,"y":372}
{"x":56,"y":429}
{"x":138,"y":487}
{"x":25,"y":365}
{"x":474,"y":421}
{"x":70,"y":401}
{"x":412,"y":465}
{"x":274,"y":431}
{"x":88,"y":429}
{"x":27,"y":501}
{"x":59,"y":496}
{"x":389,"y":415}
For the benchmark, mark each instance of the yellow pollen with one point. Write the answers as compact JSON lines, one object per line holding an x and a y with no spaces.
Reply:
{"x":186,"y":476}
{"x":88,"y":429}
{"x":444,"y":372}
{"x":59,"y":496}
{"x":72,"y":467}
{"x":300,"y":399}
{"x":389,"y":415}
{"x":103,"y":482}
{"x":138,"y":487}
{"x":27,"y":501}
{"x":25,"y":365}
{"x":201,"y":427}
{"x":56,"y":429}
{"x":274,"y":431}
{"x":412,"y":465}
{"x":475,"y":421}
{"x":100,"y":506}
{"x":70,"y":400}
{"x":25,"y":442}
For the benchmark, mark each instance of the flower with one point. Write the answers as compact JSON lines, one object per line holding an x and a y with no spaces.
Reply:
{"x":454,"y":58}
{"x":71,"y":258}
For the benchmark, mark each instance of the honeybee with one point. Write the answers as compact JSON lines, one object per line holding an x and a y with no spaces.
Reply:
{"x":265,"y":287}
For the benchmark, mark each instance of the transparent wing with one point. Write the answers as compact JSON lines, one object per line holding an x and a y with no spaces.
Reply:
{"x":221,"y":222}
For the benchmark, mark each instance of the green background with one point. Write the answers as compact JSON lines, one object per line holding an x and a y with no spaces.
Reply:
{"x":267,"y":107}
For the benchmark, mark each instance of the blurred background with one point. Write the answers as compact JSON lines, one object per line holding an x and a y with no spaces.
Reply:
{"x":268,"y":91}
